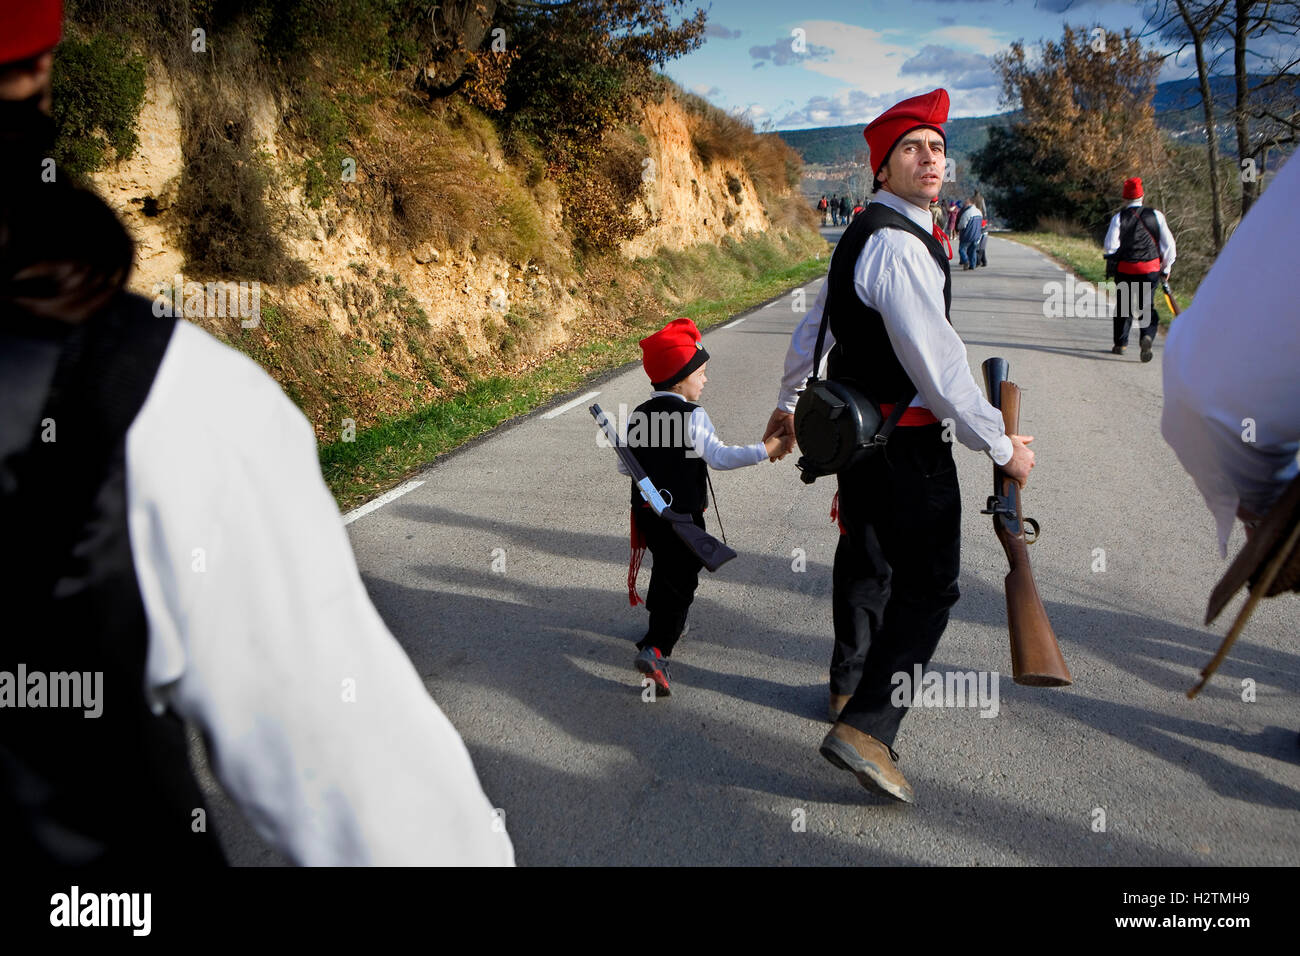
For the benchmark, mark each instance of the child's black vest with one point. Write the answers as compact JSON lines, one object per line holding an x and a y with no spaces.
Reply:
{"x":657,"y":434}
{"x":863,"y":352}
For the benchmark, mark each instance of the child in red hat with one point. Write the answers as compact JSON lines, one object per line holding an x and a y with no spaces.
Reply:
{"x":675,"y":442}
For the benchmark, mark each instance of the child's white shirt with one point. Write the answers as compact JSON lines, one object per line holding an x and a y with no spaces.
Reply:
{"x":703,"y":439}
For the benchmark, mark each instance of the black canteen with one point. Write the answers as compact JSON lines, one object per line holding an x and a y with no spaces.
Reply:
{"x":835,"y":426}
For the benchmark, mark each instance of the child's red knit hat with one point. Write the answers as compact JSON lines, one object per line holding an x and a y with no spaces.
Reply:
{"x":672,"y":353}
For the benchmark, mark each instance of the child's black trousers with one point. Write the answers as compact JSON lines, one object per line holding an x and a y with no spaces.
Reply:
{"x":673,"y":579}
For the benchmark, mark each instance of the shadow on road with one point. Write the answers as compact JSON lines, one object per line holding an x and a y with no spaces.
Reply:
{"x":725,"y":783}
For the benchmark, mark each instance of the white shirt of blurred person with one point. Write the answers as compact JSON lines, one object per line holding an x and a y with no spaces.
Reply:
{"x":1232,"y":366}
{"x":258,"y":651}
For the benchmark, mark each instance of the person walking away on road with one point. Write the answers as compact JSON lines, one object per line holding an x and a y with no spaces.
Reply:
{"x":823,"y":205}
{"x":953,"y":212}
{"x":896,"y":566}
{"x":968,"y":225}
{"x":937,"y":211}
{"x":674,"y":440}
{"x":1144,"y":250}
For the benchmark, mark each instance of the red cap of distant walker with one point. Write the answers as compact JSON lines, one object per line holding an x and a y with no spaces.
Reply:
{"x":1133,"y":188}
{"x":29,"y":28}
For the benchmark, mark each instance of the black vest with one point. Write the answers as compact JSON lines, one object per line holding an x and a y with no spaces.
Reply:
{"x":74,"y":789}
{"x":862,"y":351}
{"x":1136,"y":243}
{"x":657,"y":433}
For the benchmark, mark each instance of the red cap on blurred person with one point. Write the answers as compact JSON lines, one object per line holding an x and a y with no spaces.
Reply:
{"x":29,"y":28}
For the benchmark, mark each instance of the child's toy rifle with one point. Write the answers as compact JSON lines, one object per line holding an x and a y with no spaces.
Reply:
{"x":712,"y":552}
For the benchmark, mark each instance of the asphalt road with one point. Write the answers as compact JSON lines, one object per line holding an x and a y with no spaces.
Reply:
{"x":532,"y":660}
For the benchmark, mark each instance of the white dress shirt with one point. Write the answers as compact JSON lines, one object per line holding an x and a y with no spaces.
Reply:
{"x":261,"y":632}
{"x":703,"y":441}
{"x":1168,"y":249}
{"x":896,"y":275}
{"x":1232,"y":365}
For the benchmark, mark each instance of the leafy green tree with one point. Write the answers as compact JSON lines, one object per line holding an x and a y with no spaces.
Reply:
{"x":1020,"y":176}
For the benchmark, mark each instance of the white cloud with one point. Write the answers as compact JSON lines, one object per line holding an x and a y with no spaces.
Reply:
{"x":980,"y":39}
{"x":855,"y":55}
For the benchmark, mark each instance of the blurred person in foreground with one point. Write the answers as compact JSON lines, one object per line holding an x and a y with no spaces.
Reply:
{"x":172,"y":550}
{"x":1232,"y":368}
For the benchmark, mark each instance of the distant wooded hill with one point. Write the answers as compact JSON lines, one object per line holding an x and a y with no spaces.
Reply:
{"x":1177,"y":105}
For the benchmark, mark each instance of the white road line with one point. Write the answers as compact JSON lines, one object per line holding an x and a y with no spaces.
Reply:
{"x":732,"y":325}
{"x":556,"y":412}
{"x":379,"y":502}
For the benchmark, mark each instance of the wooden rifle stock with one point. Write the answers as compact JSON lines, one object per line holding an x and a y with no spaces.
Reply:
{"x":1169,"y":298}
{"x":1035,"y":654}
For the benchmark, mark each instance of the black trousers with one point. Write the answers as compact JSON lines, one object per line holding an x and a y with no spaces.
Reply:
{"x":673,"y":579}
{"x":895,"y":575}
{"x":1136,"y":299}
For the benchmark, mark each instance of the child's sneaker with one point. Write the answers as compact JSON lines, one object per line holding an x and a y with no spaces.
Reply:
{"x":655,"y":666}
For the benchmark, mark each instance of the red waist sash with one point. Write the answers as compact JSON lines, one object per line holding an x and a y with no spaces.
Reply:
{"x":915,"y":415}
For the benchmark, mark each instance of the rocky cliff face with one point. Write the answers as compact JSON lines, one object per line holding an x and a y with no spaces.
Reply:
{"x":687,"y":202}
{"x":374,"y":310}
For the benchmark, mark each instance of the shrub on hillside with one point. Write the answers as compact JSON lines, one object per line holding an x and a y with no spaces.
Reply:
{"x":98,"y":93}
{"x":229,"y":230}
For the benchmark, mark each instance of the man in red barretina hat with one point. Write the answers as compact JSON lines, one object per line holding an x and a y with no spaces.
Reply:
{"x":1142,"y":251}
{"x":887,"y":295}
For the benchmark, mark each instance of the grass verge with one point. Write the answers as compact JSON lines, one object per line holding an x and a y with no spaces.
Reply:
{"x":1083,"y":258}
{"x":383,"y":456}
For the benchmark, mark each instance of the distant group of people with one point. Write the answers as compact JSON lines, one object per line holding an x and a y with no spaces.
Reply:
{"x":836,"y":210}
{"x":966,"y":223}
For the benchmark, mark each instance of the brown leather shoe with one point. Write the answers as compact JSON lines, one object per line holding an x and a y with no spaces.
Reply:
{"x":874,"y":764}
{"x":838,"y":701}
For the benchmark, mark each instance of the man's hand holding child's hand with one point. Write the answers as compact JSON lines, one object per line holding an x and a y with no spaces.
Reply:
{"x":778,"y":439}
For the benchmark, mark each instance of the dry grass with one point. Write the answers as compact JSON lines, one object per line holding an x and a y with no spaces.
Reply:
{"x":1058,"y":226}
{"x":429,"y":179}
{"x":773,"y":166}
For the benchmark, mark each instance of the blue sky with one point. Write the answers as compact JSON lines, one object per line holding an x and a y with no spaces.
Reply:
{"x":863,"y":56}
